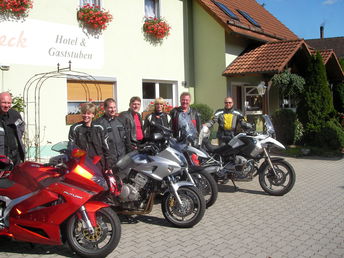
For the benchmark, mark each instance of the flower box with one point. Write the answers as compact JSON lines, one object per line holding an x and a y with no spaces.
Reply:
{"x":93,"y":17}
{"x":156,"y":28}
{"x":15,"y":8}
{"x":73,"y":118}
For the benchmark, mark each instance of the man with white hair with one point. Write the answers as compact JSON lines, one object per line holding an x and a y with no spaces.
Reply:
{"x":12,"y":129}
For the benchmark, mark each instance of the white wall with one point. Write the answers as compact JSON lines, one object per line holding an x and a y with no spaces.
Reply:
{"x":121,"y":53}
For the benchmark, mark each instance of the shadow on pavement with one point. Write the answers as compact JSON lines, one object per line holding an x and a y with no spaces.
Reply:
{"x":127,"y":219}
{"x":231,"y":189}
{"x":18,"y":248}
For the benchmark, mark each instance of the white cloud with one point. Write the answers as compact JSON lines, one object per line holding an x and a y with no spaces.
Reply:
{"x":329,"y":2}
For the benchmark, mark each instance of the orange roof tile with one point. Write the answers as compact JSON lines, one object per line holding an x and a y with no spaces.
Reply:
{"x":271,"y":57}
{"x":325,"y":54}
{"x":271,"y":29}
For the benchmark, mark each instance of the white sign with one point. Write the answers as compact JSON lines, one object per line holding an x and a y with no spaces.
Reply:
{"x":37,"y":42}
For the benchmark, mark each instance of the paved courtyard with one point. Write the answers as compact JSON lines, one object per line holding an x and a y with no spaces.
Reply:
{"x":307,"y":222}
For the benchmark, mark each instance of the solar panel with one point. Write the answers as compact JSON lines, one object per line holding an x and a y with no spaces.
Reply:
{"x":249,"y":18}
{"x":226,"y":10}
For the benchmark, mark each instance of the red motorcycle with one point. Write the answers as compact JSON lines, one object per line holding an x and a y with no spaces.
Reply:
{"x":51,"y":204}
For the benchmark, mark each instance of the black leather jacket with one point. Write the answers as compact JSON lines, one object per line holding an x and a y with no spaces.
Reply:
{"x":192,"y":113}
{"x":13,"y":119}
{"x":94,"y":140}
{"x":119,"y":142}
{"x":159,"y":118}
{"x":127,"y":119}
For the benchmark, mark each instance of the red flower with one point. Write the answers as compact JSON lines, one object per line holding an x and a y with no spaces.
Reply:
{"x":93,"y":16}
{"x":156,"y":28}
{"x":15,"y":7}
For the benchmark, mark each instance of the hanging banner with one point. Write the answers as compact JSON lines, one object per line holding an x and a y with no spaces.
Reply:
{"x":37,"y":42}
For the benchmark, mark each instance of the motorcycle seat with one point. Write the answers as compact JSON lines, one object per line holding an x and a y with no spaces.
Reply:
{"x":214,"y":148}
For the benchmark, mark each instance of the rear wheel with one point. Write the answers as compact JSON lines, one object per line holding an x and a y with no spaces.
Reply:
{"x":280,"y":184}
{"x":189,"y":213}
{"x":207,"y":185}
{"x":103,"y":241}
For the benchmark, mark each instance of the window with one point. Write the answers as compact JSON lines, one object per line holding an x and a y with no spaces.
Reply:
{"x":153,"y":90}
{"x":287,"y":102}
{"x":249,"y":18}
{"x":91,"y":2}
{"x":152,"y":8}
{"x":253,"y":102}
{"x":226,"y":10}
{"x":79,"y":92}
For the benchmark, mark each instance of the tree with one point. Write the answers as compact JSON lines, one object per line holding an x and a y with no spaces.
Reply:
{"x":316,"y":105}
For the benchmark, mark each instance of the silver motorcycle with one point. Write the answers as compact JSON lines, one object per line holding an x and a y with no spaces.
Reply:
{"x":149,"y":173}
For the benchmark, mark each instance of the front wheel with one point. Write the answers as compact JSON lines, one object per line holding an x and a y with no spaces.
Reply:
{"x":103,"y":241}
{"x":189,"y":213}
{"x":207,"y":185}
{"x":280,"y":184}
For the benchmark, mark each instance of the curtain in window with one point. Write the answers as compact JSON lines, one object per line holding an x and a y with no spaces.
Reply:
{"x":150,"y":8}
{"x":91,"y":2}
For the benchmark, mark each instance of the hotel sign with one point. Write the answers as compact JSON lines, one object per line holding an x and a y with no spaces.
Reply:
{"x":36,"y":42}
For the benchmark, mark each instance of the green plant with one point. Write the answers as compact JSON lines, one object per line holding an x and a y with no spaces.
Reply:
{"x":18,"y":103}
{"x":205,"y":111}
{"x":341,"y":62}
{"x":315,"y":105}
{"x":288,"y":128}
{"x":338,"y":97}
{"x":330,"y":136}
{"x":289,"y":84}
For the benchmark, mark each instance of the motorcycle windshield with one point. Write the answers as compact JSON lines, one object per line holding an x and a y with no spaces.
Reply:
{"x":268,"y":125}
{"x":85,"y":171}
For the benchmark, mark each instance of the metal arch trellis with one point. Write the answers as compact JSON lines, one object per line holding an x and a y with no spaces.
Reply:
{"x":38,"y":80}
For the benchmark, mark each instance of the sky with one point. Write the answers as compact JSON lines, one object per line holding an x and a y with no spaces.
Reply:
{"x":304,"y":17}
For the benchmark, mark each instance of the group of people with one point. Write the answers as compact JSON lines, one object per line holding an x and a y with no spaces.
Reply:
{"x":113,"y":135}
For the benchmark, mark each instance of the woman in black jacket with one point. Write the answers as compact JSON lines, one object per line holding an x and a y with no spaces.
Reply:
{"x":158,"y":117}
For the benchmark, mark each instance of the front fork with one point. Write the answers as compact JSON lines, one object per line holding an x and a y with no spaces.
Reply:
{"x":86,"y":219}
{"x":174,"y":185}
{"x":269,"y":161}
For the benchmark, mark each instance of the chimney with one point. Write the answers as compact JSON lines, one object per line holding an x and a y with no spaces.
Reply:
{"x":322,"y":31}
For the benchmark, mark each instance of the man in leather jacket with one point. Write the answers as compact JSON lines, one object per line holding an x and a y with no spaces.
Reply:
{"x":119,"y":142}
{"x":91,"y":137}
{"x":158,"y":117}
{"x":12,"y":129}
{"x":132,"y":121}
{"x":184,"y":117}
{"x":228,"y":119}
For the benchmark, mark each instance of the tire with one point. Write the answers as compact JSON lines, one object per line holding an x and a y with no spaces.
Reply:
{"x":102,"y":242}
{"x":285,"y":181}
{"x":184,"y":217}
{"x":207,"y":186}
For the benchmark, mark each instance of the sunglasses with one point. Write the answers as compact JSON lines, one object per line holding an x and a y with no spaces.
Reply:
{"x":228,"y":102}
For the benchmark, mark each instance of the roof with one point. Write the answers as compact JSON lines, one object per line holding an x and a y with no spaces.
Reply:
{"x":271,"y":57}
{"x":271,"y":29}
{"x":336,"y":43}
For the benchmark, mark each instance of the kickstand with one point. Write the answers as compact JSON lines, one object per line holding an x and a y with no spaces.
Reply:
{"x":235,"y":187}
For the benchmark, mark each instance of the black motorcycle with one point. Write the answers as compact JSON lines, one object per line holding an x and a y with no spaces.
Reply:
{"x":240,"y":159}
